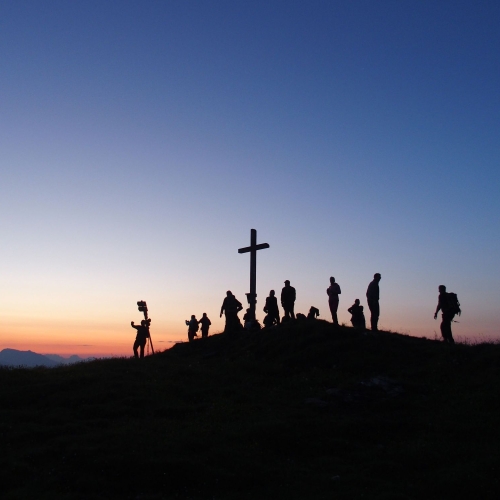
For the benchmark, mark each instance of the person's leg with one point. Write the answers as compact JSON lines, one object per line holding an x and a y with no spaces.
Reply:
{"x":375,"y":313}
{"x":334,"y":306}
{"x":286,"y":311}
{"x":143,"y":344}
{"x":292,"y":313}
{"x":446,"y":329}
{"x":136,"y":346}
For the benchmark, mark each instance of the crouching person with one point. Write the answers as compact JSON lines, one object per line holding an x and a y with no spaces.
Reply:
{"x":357,"y":316}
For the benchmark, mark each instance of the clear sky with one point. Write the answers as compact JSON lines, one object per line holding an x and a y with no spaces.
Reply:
{"x":140,"y":141}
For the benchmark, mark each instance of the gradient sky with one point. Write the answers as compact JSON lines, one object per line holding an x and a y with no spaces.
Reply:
{"x":141,"y":141}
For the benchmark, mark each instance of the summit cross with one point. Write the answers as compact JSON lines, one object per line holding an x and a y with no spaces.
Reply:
{"x":252,"y":296}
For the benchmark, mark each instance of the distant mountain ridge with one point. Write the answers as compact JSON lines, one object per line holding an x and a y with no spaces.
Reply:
{"x":30,"y":359}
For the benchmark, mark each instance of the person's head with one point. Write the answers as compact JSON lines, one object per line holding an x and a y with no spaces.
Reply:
{"x":193,"y":316}
{"x":271,"y":293}
{"x":144,"y":322}
{"x":287,"y":282}
{"x":442,"y":289}
{"x":204,"y":315}
{"x":377,"y":277}
{"x":229,"y":293}
{"x":356,"y":302}
{"x":332,"y":280}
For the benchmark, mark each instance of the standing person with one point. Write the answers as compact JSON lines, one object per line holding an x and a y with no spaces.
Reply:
{"x":288,"y":296}
{"x":205,"y":325}
{"x":333,"y":292}
{"x":271,"y":308}
{"x":141,"y":337}
{"x":231,"y":306}
{"x":449,"y":305}
{"x":192,"y":327}
{"x":357,"y":316}
{"x":373,"y":295}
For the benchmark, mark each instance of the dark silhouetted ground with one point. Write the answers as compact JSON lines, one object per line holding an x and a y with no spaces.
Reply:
{"x":305,"y":411}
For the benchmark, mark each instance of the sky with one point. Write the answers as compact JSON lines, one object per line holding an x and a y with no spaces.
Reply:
{"x":140,"y":141}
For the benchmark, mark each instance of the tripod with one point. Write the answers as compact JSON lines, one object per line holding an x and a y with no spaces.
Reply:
{"x":144,"y":308}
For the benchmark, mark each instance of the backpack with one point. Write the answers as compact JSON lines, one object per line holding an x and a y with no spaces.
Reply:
{"x":453,"y":303}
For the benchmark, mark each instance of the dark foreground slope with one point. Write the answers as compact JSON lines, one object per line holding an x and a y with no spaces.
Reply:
{"x":303,"y":412}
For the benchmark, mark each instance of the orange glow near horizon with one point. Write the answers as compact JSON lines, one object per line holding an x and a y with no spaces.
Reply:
{"x":83,"y":339}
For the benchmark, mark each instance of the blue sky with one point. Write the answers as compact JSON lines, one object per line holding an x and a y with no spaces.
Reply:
{"x":141,"y":141}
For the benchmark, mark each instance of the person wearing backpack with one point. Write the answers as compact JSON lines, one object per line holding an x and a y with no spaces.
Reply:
{"x":449,"y":306}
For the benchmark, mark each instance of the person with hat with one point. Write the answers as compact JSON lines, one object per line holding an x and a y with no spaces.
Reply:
{"x":288,"y":296}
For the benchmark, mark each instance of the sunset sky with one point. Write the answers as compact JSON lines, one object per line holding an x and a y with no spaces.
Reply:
{"x":141,"y":141}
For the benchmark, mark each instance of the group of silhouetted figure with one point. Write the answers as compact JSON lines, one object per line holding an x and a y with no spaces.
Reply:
{"x":231,"y":306}
{"x":448,"y":304}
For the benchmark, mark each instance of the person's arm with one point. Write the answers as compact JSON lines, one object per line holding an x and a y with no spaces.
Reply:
{"x":221,"y":310}
{"x":133,"y":326}
{"x":437,"y":308}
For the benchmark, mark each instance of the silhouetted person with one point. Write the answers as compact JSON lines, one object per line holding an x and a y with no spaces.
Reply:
{"x":193,"y":327}
{"x":357,"y":316}
{"x":247,"y":319}
{"x":288,"y":297}
{"x":333,"y":292}
{"x":231,"y":306}
{"x":205,"y":325}
{"x":141,"y":337}
{"x":449,"y":305}
{"x":269,"y":321}
{"x":373,"y":295}
{"x":271,"y":308}
{"x":313,"y":313}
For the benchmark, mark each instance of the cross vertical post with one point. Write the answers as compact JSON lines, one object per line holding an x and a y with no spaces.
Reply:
{"x":252,"y":296}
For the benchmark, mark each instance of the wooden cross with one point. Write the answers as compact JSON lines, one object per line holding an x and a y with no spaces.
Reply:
{"x":252,"y":296}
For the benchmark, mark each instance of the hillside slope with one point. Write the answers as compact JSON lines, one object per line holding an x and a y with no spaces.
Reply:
{"x":305,"y":411}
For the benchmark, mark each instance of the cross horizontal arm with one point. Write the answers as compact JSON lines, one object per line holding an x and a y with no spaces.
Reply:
{"x":256,"y":247}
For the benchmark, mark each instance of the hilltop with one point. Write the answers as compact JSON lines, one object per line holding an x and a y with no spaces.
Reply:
{"x":305,"y":411}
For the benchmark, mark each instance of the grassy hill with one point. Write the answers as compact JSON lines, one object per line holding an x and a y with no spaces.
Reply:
{"x":305,"y":411}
